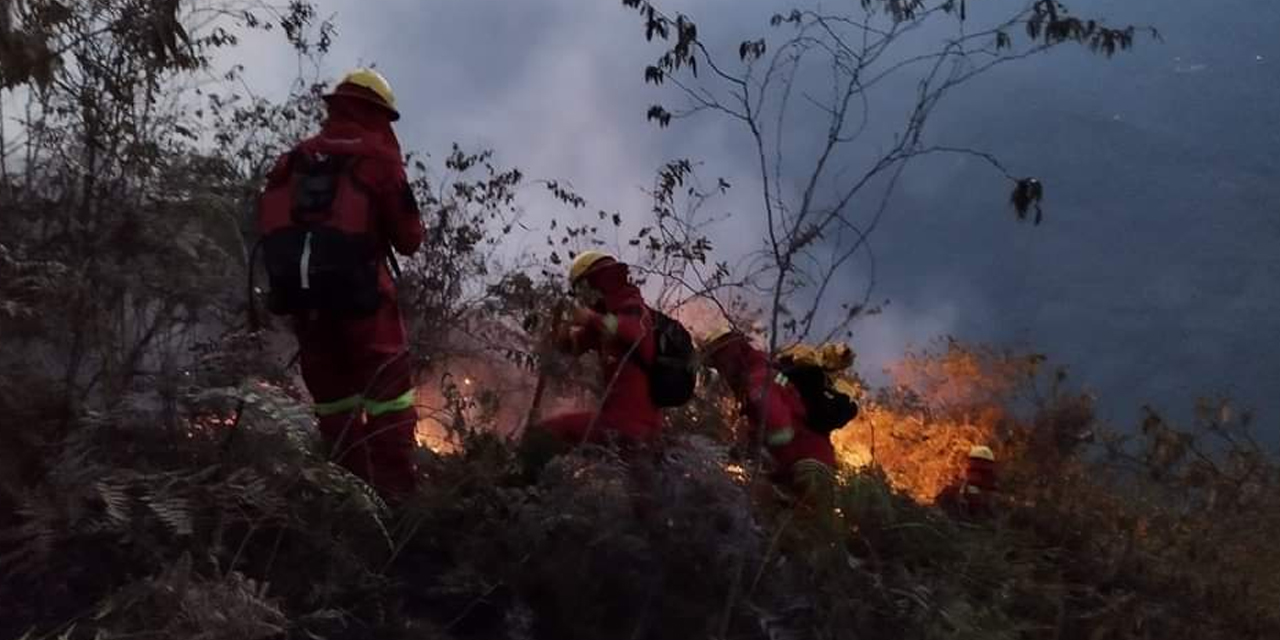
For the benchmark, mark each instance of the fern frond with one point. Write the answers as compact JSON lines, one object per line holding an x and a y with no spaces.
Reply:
{"x":265,"y":409}
{"x":117,"y":501}
{"x":175,"y":512}
{"x":334,"y":480}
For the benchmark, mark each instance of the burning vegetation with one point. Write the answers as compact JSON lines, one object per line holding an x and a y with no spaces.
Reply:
{"x":240,"y":514}
{"x":938,"y":405}
{"x":161,"y":475}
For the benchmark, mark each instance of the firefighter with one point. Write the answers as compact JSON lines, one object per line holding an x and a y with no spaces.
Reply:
{"x":803,"y":458}
{"x":345,"y":192}
{"x":972,"y":495}
{"x":835,"y":358}
{"x":611,"y":319}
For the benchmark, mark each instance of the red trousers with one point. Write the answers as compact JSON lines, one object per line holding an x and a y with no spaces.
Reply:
{"x":363,"y":396}
{"x":806,"y":445}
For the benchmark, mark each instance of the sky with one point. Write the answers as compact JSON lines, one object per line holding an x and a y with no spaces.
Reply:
{"x":1153,"y":277}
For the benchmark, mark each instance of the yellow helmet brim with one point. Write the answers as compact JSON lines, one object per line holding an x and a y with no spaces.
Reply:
{"x":585,"y":262}
{"x":370,"y":86}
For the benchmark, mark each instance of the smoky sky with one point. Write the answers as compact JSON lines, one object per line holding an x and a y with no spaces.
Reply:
{"x":1153,"y":276}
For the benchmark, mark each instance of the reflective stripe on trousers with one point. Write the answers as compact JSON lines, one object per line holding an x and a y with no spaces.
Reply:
{"x":373,"y":408}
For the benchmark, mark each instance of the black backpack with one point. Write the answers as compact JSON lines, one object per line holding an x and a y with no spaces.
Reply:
{"x":673,"y":376}
{"x":826,"y":408}
{"x":316,"y":241}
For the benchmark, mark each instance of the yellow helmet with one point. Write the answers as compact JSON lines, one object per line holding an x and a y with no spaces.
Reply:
{"x":830,"y":356}
{"x":717,"y":334}
{"x":982,"y":453}
{"x":716,"y":339}
{"x":369,"y":85}
{"x":836,"y":356}
{"x":799,"y":353}
{"x":584,"y":262}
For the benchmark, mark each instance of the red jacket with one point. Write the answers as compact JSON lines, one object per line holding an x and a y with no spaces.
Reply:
{"x":973,"y":495}
{"x":359,"y":129}
{"x":620,"y":327}
{"x":777,"y":407}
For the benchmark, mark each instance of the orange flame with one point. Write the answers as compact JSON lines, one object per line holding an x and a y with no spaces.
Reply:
{"x":473,"y":393}
{"x":962,"y":393}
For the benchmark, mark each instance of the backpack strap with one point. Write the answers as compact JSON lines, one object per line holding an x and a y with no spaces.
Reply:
{"x":646,"y":367}
{"x":351,"y":169}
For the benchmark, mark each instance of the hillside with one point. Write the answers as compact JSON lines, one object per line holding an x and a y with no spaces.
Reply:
{"x":231,"y":525}
{"x":164,"y":474}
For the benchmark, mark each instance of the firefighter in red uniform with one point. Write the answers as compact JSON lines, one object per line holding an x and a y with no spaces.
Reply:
{"x":803,"y":458}
{"x":355,"y":364}
{"x":614,"y":321}
{"x":972,"y":496}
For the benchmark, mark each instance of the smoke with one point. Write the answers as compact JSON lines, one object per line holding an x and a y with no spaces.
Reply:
{"x":556,"y":87}
{"x":880,"y":341}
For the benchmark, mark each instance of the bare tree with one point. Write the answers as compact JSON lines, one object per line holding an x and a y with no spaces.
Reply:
{"x":821,"y":208}
{"x":119,"y":185}
{"x":822,"y":202}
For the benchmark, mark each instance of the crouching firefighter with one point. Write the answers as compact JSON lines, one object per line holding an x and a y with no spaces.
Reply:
{"x":972,"y":496}
{"x":794,"y":405}
{"x":646,"y":362}
{"x":332,"y":210}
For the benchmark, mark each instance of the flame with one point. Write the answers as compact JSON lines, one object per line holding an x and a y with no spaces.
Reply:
{"x":431,"y":435}
{"x":475,"y":393}
{"x":920,"y":457}
{"x":966,"y":390}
